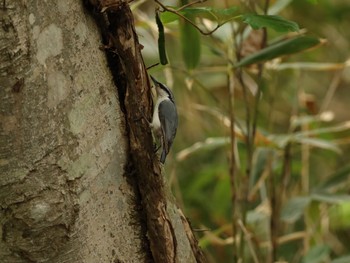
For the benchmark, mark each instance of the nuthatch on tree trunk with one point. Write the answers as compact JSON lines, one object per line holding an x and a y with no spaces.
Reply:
{"x":165,"y":120}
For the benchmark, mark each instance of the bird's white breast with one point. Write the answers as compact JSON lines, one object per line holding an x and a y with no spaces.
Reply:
{"x":155,"y":119}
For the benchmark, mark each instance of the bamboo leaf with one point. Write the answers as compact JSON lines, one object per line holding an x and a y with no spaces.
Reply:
{"x":286,"y":47}
{"x":274,"y":22}
{"x":190,"y":44}
{"x":319,"y":143}
{"x":312,"y":66}
{"x":337,"y":128}
{"x":330,"y":198}
{"x":168,"y":17}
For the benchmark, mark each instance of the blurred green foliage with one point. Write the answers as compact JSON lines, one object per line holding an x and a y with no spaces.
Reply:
{"x":288,"y":198}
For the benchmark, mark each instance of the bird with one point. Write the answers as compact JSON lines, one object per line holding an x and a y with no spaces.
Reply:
{"x":165,"y":118}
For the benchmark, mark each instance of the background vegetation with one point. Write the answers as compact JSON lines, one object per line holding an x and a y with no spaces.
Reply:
{"x":275,"y":187}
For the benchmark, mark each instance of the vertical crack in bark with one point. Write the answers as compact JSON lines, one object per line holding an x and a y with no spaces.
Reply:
{"x":123,"y":52}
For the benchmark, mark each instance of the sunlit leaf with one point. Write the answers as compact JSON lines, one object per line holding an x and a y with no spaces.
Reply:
{"x":274,"y":22}
{"x":161,"y":41}
{"x":294,"y":209}
{"x":317,"y":254}
{"x":286,"y":47}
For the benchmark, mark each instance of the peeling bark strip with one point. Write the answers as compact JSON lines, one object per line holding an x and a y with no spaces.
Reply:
{"x":192,"y":239}
{"x":123,"y":51}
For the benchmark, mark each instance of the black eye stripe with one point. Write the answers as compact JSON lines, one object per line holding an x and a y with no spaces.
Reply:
{"x":170,"y":94}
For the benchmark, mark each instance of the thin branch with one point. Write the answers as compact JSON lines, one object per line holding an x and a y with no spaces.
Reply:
{"x":247,"y":236}
{"x":190,"y":4}
{"x":153,"y":65}
{"x":188,"y":20}
{"x":331,"y":90}
{"x":233,"y":164}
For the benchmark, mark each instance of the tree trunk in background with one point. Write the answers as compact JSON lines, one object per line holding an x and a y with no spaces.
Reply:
{"x":64,"y":193}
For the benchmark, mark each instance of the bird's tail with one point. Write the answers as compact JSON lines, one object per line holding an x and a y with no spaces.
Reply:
{"x":163,"y":156}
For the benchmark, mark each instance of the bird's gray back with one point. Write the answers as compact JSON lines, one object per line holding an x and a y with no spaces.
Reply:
{"x":168,"y":118}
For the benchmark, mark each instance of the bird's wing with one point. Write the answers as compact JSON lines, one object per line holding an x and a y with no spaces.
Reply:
{"x":169,"y":120}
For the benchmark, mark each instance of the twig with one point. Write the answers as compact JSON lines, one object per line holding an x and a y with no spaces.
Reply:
{"x":331,"y":90}
{"x":190,"y":4}
{"x":233,"y":163}
{"x":200,"y":230}
{"x":153,"y":65}
{"x":188,"y":20}
{"x":248,"y":238}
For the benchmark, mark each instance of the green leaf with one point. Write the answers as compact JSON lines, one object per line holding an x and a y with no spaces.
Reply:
{"x":317,"y":254}
{"x":276,"y":23}
{"x":344,"y":126}
{"x":168,"y":17}
{"x":294,"y":209}
{"x":330,"y":198}
{"x":161,"y":41}
{"x":225,"y":14}
{"x":261,"y":159}
{"x":286,"y":47}
{"x":190,"y":44}
{"x":314,"y":66}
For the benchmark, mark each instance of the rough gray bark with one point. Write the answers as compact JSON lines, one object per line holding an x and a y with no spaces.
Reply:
{"x":69,"y":190}
{"x":62,"y":194}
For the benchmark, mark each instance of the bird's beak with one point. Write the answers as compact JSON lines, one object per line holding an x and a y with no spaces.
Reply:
{"x":156,"y":83}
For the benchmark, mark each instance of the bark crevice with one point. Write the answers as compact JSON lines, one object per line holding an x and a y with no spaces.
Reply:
{"x":144,"y":171}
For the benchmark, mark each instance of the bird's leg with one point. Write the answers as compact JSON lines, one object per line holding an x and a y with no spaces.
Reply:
{"x":155,"y":146}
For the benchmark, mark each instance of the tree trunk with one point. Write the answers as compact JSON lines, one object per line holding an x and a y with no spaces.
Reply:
{"x":78,"y":178}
